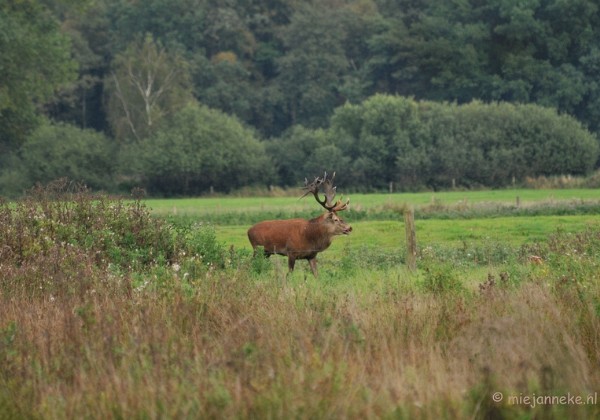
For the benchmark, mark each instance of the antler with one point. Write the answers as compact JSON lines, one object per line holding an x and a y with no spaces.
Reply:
{"x":328,"y":189}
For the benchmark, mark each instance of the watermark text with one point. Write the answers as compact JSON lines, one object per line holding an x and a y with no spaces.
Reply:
{"x":533,"y":400}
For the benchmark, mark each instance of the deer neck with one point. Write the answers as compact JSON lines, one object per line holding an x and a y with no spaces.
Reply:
{"x":318,"y":233}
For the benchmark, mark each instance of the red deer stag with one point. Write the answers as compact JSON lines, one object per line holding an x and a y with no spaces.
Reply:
{"x":302,"y":239}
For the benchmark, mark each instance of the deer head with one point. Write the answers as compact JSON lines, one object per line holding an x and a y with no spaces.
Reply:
{"x":329,"y":191}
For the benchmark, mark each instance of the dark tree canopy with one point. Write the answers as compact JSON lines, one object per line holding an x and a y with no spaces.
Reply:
{"x":285,"y":70}
{"x":35,"y":61}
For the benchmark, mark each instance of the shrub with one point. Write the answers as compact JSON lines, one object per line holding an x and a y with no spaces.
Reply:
{"x":440,"y":145}
{"x":200,"y":148}
{"x":60,"y":234}
{"x":59,"y":150}
{"x":441,"y":278}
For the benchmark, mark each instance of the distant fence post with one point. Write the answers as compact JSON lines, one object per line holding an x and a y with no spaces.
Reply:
{"x":411,"y":239}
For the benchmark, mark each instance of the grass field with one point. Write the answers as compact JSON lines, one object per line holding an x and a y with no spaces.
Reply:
{"x":391,"y":234}
{"x":198,"y":207}
{"x":108,"y":311}
{"x":388,"y":235}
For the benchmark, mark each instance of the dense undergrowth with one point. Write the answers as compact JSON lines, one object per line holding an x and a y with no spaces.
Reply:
{"x":107,"y":312}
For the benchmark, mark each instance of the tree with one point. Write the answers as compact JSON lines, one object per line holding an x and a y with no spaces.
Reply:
{"x":147,"y":83}
{"x":504,"y":140}
{"x":198,"y":148}
{"x":173,"y":23}
{"x":80,"y":102}
{"x":301,"y":152}
{"x":417,"y":143}
{"x":34,"y":62}
{"x":383,"y":138}
{"x":311,"y":69}
{"x":224,"y":83}
{"x":55,"y":151}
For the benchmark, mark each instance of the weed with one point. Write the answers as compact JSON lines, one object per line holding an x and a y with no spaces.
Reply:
{"x":491,"y":285}
{"x":441,"y":278}
{"x":260,"y":262}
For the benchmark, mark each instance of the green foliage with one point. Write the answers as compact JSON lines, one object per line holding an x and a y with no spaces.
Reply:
{"x":172,"y":22}
{"x":260,"y":262}
{"x":199,"y":148}
{"x":293,"y":150}
{"x":313,"y":64}
{"x":60,"y":235}
{"x":224,"y":83}
{"x":67,"y":216}
{"x":55,"y":151}
{"x":520,"y":141}
{"x":60,"y":238}
{"x":441,"y":278}
{"x":146,"y":84}
{"x":35,"y":62}
{"x":282,"y":67}
{"x":510,"y":51}
{"x":399,"y":140}
{"x":383,"y":139}
{"x":199,"y":246}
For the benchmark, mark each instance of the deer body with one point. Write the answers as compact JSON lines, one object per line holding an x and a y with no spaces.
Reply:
{"x":300,"y":238}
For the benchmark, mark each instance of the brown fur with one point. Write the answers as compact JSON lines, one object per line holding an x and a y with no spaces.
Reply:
{"x":298,"y":238}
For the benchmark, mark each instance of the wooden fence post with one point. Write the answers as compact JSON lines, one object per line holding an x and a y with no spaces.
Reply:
{"x":411,"y":239}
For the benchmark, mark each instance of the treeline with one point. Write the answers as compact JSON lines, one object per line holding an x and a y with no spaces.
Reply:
{"x":437,"y":145}
{"x":386,"y":139}
{"x":184,"y":95}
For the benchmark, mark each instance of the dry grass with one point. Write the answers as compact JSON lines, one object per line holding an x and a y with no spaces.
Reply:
{"x":153,"y":341}
{"x":237,"y":348}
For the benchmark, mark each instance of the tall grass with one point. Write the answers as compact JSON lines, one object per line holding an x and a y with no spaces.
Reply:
{"x":242,"y":348}
{"x":178,"y":337}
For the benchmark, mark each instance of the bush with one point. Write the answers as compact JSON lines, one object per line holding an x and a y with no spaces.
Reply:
{"x":59,"y":150}
{"x":441,"y":278}
{"x":419,"y":143}
{"x":200,"y":149}
{"x":62,"y":235}
{"x":64,"y":238}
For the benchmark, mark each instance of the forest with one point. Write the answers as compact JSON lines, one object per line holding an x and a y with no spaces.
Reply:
{"x":183,"y":97}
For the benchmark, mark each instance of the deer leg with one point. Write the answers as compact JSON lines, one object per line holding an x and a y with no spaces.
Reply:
{"x":291,"y":262}
{"x":313,"y":266}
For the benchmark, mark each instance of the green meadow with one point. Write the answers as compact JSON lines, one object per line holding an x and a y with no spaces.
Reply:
{"x":205,"y":206}
{"x":472,"y":217}
{"x":391,"y":234}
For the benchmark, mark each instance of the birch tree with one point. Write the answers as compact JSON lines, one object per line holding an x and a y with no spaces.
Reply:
{"x":146,"y":84}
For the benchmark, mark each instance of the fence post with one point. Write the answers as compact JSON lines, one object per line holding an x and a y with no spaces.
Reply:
{"x":411,"y":239}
